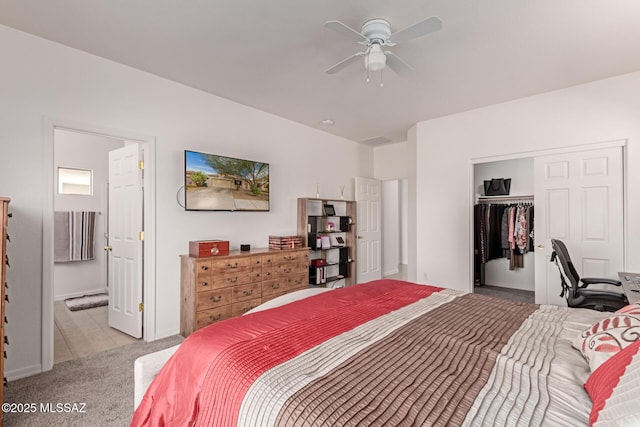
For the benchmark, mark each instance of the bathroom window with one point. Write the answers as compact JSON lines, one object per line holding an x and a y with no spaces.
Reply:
{"x":75,"y":181}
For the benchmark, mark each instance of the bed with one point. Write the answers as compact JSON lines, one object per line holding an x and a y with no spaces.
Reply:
{"x":396,"y":353}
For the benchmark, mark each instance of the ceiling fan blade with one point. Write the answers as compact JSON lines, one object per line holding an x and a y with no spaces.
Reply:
{"x":341,"y":28}
{"x":397,"y":64}
{"x":344,"y":63}
{"x":416,"y":30}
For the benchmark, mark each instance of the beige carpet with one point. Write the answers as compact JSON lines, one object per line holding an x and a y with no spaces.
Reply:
{"x":103,"y":381}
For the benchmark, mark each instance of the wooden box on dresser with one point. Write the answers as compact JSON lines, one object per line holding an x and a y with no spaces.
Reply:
{"x":4,"y":217}
{"x":219,"y":287}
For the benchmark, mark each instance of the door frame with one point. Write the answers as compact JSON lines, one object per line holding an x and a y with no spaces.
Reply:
{"x":147,"y":142}
{"x":545,"y":152}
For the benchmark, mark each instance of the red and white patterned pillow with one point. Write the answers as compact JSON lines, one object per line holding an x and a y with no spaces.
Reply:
{"x":608,"y":336}
{"x":614,"y":389}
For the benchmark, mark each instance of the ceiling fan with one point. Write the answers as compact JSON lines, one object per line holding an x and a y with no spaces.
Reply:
{"x":375,"y":35}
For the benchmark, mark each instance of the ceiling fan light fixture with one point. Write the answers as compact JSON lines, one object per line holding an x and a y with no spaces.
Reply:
{"x":375,"y":60}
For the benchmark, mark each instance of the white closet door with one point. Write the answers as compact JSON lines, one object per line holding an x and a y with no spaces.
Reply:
{"x":579,"y":200}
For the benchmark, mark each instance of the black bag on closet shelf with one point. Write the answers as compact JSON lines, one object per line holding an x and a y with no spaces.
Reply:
{"x":497,"y":187}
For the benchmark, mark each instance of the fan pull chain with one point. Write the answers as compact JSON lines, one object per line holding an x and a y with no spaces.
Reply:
{"x":381,"y":82}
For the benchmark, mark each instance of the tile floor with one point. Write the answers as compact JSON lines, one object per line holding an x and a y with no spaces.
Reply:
{"x":84,"y":332}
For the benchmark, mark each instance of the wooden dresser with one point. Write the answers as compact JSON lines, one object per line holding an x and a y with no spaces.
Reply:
{"x":220,"y":287}
{"x":4,"y":263}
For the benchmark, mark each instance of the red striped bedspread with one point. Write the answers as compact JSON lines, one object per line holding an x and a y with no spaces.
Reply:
{"x":383,"y":353}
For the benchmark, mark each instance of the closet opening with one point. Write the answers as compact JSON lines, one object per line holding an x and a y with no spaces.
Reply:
{"x":503,"y":237}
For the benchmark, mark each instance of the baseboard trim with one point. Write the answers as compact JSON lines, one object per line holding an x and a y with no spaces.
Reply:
{"x":165,"y":334}
{"x":27,"y":371}
{"x":390,"y":272}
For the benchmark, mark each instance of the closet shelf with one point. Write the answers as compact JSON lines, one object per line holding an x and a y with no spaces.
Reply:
{"x":485,"y":199}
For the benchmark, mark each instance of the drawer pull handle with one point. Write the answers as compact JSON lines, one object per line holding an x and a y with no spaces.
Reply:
{"x":215,"y":299}
{"x":213,"y":318}
{"x":205,"y":284}
{"x":245,"y":309}
{"x":287,"y":270}
{"x":232,"y":279}
{"x":204,"y":268}
{"x":257,"y":262}
{"x":249,"y":292}
{"x":234,"y":265}
{"x":288,"y":258}
{"x":275,"y":286}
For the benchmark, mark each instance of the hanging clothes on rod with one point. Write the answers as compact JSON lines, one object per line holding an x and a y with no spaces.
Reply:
{"x":503,"y":229}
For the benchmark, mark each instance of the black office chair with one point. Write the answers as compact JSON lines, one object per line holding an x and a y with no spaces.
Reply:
{"x":579,"y":292}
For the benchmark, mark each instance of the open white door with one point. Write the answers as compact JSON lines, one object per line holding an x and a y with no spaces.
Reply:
{"x":125,"y":240}
{"x":368,"y":229}
{"x":579,"y":200}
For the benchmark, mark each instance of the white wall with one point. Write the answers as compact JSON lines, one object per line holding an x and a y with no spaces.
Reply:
{"x":520,"y":171}
{"x":46,"y":80}
{"x":604,"y":110}
{"x":390,"y":227}
{"x":390,"y":161}
{"x":91,"y":152}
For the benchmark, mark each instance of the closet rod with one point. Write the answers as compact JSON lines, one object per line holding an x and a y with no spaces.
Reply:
{"x":489,"y":199}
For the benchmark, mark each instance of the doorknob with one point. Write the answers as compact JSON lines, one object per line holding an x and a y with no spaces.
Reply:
{"x":540,"y":246}
{"x":108,"y":248}
{"x":360,"y":237}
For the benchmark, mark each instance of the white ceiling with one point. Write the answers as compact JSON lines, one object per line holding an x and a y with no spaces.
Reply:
{"x":271,"y":55}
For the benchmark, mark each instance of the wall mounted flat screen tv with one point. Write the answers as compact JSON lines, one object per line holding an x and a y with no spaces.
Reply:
{"x":218,"y":183}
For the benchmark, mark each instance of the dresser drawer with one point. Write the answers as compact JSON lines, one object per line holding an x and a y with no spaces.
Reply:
{"x":275,"y":286}
{"x":223,"y":266}
{"x":232,"y":278}
{"x":288,"y":269}
{"x":256,"y":275}
{"x":203,"y":268}
{"x":246,"y":292}
{"x":299,"y":281}
{"x":211,"y":299}
{"x":206,"y":317}
{"x":256,"y":263}
{"x":298,"y":257}
{"x":204,"y":283}
{"x":240,"y":308}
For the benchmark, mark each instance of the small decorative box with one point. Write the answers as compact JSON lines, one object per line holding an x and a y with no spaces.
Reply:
{"x":318,"y":262}
{"x":203,"y":248}
{"x":285,"y":242}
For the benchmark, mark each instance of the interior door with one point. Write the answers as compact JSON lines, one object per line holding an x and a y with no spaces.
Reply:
{"x":125,"y":240}
{"x":368,"y":232}
{"x":579,"y":200}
